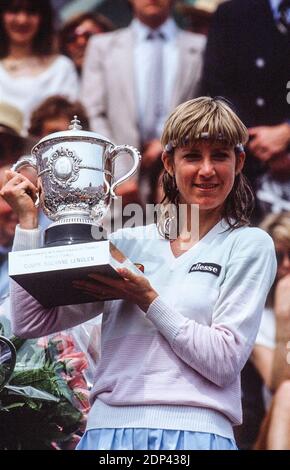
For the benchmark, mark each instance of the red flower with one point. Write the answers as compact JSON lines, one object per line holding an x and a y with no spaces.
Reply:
{"x":74,"y":362}
{"x":63,"y":343}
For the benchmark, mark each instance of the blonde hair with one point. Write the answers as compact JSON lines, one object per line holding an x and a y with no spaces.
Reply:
{"x":214,"y":120}
{"x":204,"y":117}
{"x":278,"y":227}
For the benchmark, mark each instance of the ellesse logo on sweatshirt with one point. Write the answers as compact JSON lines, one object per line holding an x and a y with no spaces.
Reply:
{"x":211,"y":268}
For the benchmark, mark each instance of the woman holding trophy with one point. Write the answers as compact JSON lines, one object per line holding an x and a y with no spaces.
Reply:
{"x":176,"y":338}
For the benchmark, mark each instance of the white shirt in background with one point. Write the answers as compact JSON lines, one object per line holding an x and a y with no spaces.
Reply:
{"x":27,"y":93}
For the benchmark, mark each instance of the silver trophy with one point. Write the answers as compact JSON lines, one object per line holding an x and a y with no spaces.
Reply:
{"x":76,"y":181}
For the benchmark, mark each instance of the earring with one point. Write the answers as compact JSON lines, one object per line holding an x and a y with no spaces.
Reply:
{"x":168,"y":227}
{"x":170,"y":223}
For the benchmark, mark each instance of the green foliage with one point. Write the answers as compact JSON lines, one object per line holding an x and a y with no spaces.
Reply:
{"x":37,"y":407}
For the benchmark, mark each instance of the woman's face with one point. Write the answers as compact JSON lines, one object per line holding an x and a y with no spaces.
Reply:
{"x":77,"y":41}
{"x":283,"y":259}
{"x":204,"y":172}
{"x":21,"y":25}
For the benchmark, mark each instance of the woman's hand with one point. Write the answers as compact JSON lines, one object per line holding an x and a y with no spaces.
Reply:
{"x":133,"y":288}
{"x":268,"y":141}
{"x":20,"y":193}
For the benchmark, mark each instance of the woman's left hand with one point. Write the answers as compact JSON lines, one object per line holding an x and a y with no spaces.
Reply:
{"x":133,"y":288}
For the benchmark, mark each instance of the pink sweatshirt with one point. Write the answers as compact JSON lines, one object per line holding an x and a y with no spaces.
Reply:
{"x":177,"y":366}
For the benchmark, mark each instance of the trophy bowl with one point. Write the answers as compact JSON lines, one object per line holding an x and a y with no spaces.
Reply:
{"x":76,"y":181}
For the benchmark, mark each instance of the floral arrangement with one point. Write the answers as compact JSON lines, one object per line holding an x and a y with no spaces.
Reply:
{"x":46,"y":401}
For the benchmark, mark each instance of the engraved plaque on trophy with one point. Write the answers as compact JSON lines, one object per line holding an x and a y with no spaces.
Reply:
{"x":76,"y":180}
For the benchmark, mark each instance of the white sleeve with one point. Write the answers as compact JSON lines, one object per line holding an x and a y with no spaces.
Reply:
{"x":267,"y":331}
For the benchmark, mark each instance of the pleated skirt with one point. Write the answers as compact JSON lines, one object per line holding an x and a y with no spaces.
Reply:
{"x":152,"y":439}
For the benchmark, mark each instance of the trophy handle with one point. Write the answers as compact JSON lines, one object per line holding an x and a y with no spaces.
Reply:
{"x":26,"y":161}
{"x":136,"y":157}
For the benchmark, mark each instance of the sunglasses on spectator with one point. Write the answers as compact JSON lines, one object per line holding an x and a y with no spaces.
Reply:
{"x":74,"y":36}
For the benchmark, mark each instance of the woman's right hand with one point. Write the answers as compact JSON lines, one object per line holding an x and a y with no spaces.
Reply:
{"x":20,"y":193}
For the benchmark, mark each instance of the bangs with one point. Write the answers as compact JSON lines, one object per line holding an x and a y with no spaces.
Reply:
{"x":33,"y":6}
{"x":204,"y":118}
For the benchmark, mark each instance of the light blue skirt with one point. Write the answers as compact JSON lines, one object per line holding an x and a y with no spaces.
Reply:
{"x":152,"y":439}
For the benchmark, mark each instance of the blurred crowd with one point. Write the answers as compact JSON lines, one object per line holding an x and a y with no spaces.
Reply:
{"x":122,"y":83}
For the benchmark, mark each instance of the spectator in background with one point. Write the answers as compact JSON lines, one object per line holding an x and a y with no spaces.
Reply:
{"x":74,"y":35}
{"x":273,"y":188}
{"x":11,"y":142}
{"x":30,"y":69}
{"x":55,"y":115}
{"x":247,"y":60}
{"x":134,"y":77}
{"x":272,"y":344}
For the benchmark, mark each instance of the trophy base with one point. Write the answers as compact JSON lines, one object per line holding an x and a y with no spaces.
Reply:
{"x":71,"y":234}
{"x":48,"y":273}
